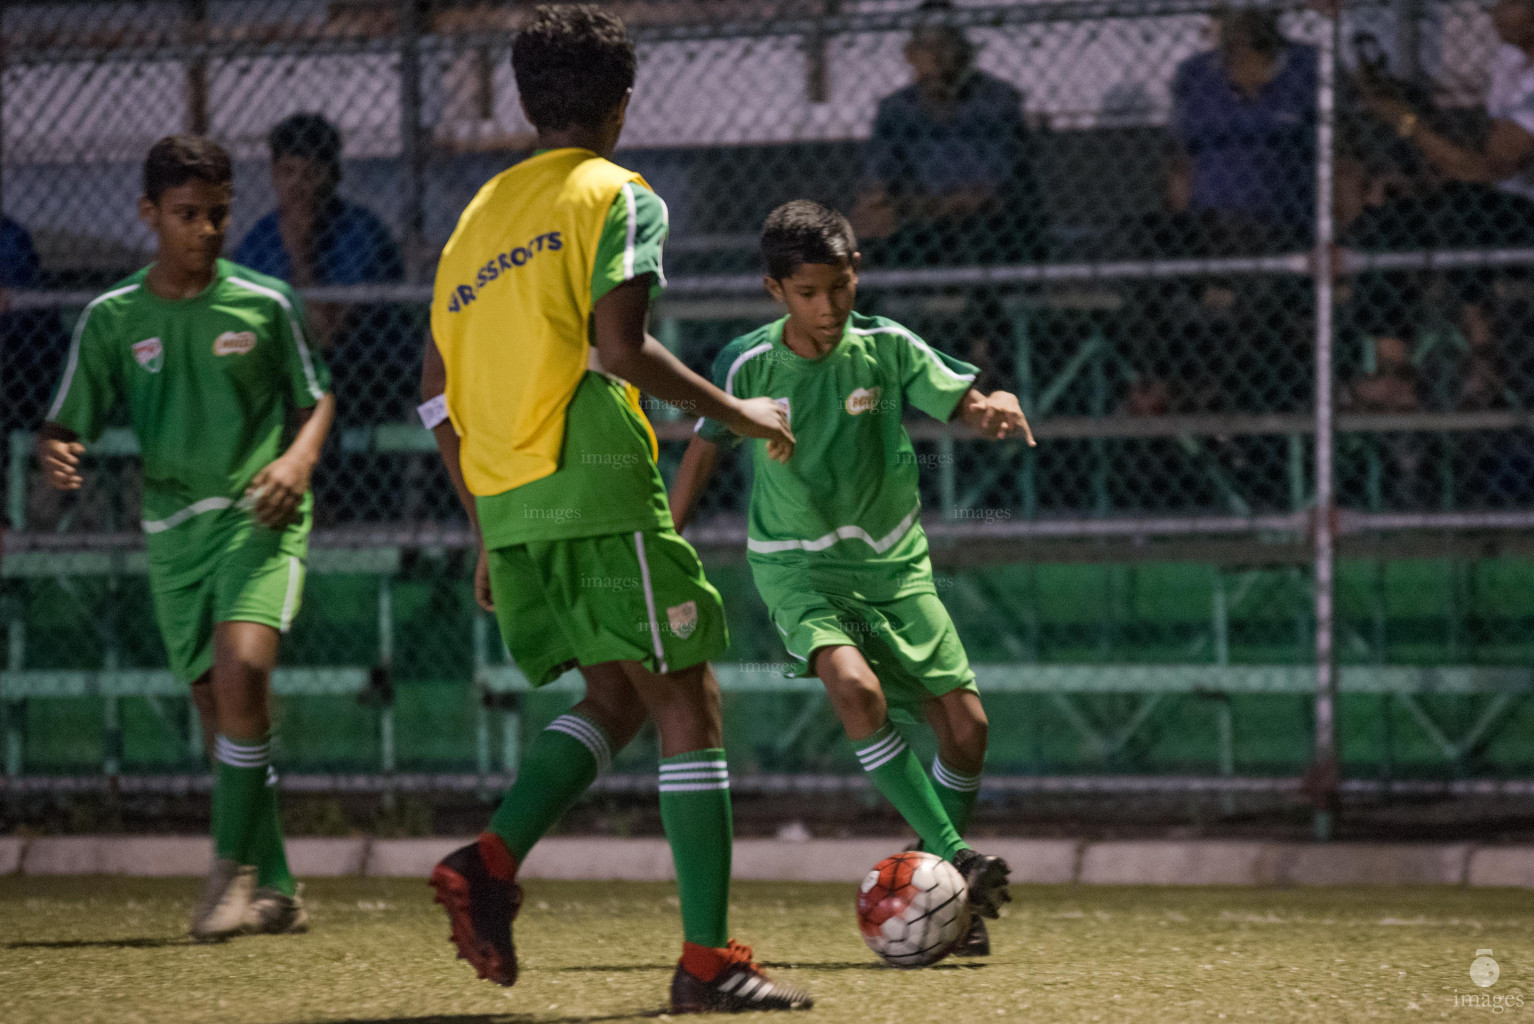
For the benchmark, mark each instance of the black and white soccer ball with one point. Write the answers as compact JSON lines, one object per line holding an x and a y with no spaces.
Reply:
{"x":912,"y":909}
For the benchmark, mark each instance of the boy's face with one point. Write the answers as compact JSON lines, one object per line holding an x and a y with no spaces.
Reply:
{"x":190,"y":220}
{"x":819,"y":297}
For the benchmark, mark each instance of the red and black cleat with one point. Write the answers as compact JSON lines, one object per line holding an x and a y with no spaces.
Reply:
{"x":475,"y":884}
{"x":737,"y":985}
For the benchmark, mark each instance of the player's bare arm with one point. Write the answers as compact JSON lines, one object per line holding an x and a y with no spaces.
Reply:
{"x":626,"y":349}
{"x":996,"y":416}
{"x":691,"y":478}
{"x":58,"y":453}
{"x":433,"y":391}
{"x":279,"y":487}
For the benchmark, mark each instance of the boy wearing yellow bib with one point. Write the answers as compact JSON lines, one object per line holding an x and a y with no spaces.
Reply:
{"x":538,"y":329}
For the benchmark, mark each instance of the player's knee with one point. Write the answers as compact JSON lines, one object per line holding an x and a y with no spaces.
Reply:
{"x":688,"y":712}
{"x":856,"y":695}
{"x":970,"y":736}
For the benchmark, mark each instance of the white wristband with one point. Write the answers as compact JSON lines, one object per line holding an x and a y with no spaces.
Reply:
{"x":433,"y":411}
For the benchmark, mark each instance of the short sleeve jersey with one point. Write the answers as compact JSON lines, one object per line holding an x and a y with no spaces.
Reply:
{"x":555,"y":449}
{"x":1511,"y":98}
{"x":842,"y":513}
{"x":207,"y":382}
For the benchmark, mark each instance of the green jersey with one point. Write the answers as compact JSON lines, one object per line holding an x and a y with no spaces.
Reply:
{"x":607,"y":480}
{"x":207,"y":381}
{"x":842,"y":516}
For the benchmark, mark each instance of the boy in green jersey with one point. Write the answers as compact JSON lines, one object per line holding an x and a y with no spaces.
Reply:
{"x":217,"y":373}
{"x":835,"y":542}
{"x":530,"y":382}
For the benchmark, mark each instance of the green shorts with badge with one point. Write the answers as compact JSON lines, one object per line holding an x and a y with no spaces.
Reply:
{"x":909,"y":641}
{"x":252,"y":575}
{"x":637,"y":596}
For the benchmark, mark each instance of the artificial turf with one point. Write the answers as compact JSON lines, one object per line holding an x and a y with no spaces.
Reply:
{"x":87,"y":950}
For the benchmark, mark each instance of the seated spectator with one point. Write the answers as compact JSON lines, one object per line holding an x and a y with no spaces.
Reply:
{"x":316,"y":237}
{"x":1241,"y":181}
{"x":1479,"y":194}
{"x":1244,"y":119}
{"x":29,"y":349}
{"x":948,"y":175}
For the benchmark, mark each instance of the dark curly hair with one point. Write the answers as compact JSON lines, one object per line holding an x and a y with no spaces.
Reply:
{"x":804,"y":231}
{"x":573,"y":62}
{"x":309,"y":136}
{"x":178,"y":159}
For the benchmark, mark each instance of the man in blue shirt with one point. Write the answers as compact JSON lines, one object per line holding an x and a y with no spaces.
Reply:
{"x":948,"y":176}
{"x":1244,"y":116}
{"x":316,"y":237}
{"x":949,"y":179}
{"x":30,"y":339}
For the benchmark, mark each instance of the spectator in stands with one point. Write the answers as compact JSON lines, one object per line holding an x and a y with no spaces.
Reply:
{"x":27,"y":337}
{"x":1478,"y":194}
{"x":317,"y":237}
{"x":948,"y":174}
{"x":1241,"y":181}
{"x":948,"y":177}
{"x":1244,"y":119}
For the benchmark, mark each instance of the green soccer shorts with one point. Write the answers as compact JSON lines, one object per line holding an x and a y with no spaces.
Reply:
{"x":909,"y":642}
{"x":637,"y":596}
{"x":257,"y":576}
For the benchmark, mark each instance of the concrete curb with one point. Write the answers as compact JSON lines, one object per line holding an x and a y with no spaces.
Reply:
{"x":11,"y":849}
{"x":1033,"y":861}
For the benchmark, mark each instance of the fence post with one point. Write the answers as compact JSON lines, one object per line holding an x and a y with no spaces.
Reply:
{"x":1324,"y":771}
{"x":412,"y":152}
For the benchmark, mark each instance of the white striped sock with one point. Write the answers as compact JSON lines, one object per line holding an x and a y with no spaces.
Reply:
{"x":883,"y":752}
{"x":955,"y":780}
{"x":688,"y":766}
{"x":242,"y":755}
{"x":694,"y":776}
{"x":881,"y":747}
{"x":589,"y":735}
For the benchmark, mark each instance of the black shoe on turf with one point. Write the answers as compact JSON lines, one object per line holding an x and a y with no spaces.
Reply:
{"x":741,"y":985}
{"x":475,"y":884}
{"x":986,"y":877}
{"x":976,"y":940}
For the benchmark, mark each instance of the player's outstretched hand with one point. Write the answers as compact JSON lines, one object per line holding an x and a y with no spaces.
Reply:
{"x":765,"y":418}
{"x":998,"y":416}
{"x":277,"y":490}
{"x":482,"y":582}
{"x":60,"y":460}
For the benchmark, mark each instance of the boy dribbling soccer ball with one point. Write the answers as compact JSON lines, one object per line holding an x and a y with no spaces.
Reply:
{"x":230,"y":407}
{"x":835,"y":542}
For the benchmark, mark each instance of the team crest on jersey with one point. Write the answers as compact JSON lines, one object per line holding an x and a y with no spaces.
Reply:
{"x":234,"y":343}
{"x":150,"y":354}
{"x":864,"y":399}
{"x":683,"y":618}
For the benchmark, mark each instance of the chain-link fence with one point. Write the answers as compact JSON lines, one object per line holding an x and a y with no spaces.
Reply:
{"x":1116,"y":210}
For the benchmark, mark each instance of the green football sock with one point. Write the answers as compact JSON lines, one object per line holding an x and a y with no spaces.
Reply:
{"x":897,"y":774}
{"x":271,"y":859}
{"x":237,"y":795}
{"x":695,"y":810}
{"x":957,"y":791}
{"x":559,"y":765}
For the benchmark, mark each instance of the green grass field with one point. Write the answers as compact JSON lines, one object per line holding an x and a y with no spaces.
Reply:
{"x":87,"y":950}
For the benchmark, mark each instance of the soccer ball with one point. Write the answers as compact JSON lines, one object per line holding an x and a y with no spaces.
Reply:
{"x":912,"y":908}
